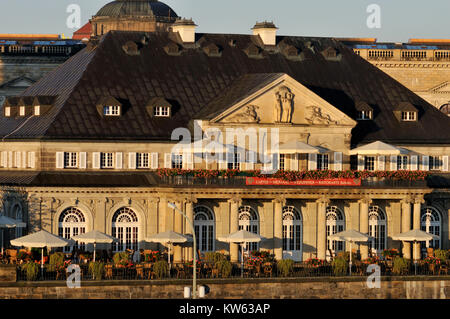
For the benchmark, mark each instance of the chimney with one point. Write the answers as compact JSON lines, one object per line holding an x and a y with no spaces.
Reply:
{"x":267,"y":32}
{"x":186,"y":30}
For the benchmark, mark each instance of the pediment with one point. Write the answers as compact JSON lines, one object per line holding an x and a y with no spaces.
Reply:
{"x":286,"y":102}
{"x":20,"y":82}
{"x":441,"y":88}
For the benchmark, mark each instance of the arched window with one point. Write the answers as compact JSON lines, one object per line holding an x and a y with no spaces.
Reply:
{"x":72,"y":223}
{"x":445,"y":109}
{"x":430,"y":222}
{"x":204,"y":228}
{"x":17,"y":215}
{"x":249,"y":221}
{"x":335,"y":224}
{"x":377,"y":229}
{"x":125,"y":228}
{"x":292,"y":233}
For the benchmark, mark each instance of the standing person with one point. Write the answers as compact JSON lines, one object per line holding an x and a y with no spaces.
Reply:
{"x":136,"y":257}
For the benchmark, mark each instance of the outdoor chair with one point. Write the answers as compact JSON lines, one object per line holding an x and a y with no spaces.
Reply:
{"x":214,"y":272}
{"x":140,"y":271}
{"x":108,"y":272}
{"x":181,"y":273}
{"x":268,"y":269}
{"x":443,"y":268}
{"x":247,"y":270}
{"x":148,"y":270}
{"x":359,"y":269}
{"x":12,"y":253}
{"x":430,"y":252}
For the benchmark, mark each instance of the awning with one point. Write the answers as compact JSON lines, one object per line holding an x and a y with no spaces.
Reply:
{"x":297,"y":147}
{"x":378,"y":148}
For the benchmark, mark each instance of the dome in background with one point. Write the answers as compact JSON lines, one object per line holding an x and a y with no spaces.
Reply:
{"x":137,"y":8}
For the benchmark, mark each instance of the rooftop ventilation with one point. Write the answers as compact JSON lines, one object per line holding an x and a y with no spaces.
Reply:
{"x":267,"y":31}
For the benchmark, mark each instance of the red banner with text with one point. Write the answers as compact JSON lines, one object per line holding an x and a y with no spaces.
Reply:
{"x":263,"y":181}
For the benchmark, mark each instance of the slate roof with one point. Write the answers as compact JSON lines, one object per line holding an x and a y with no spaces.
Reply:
{"x":194,"y":82}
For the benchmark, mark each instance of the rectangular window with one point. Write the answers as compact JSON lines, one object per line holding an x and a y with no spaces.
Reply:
{"x":235,"y":161}
{"x":7,"y":111}
{"x":106,"y":160}
{"x":409,"y":116}
{"x":369,"y":163}
{"x":142,"y":160}
{"x":22,"y":111}
{"x":434,"y":163}
{"x":402,"y":163}
{"x":70,"y":160}
{"x":364,"y":115}
{"x":161,"y":111}
{"x":177,"y":161}
{"x":282,"y":162}
{"x":37,"y":110}
{"x":111,"y":110}
{"x":322,"y":161}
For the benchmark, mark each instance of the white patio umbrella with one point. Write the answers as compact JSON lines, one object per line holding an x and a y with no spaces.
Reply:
{"x":379,"y":148}
{"x":7,"y":222}
{"x":95,"y":237}
{"x":169,"y":237}
{"x":41,"y":239}
{"x":352,"y":236}
{"x":415,"y":236}
{"x":297,"y":147}
{"x":242,"y":237}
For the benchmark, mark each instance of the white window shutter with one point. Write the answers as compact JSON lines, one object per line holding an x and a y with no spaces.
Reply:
{"x":445,"y":163}
{"x":132,"y":160}
{"x":60,"y":160}
{"x":83,"y":160}
{"x":4,"y":159}
{"x":31,"y":159}
{"x":425,"y":163}
{"x":360,"y":163}
{"x":338,"y":161}
{"x":96,"y":160}
{"x":250,"y":160}
{"x":312,"y":162}
{"x":18,"y":159}
{"x":294,"y":162}
{"x":223,"y":164}
{"x":167,"y":160}
{"x":119,"y":160}
{"x":189,"y":162}
{"x":381,"y":163}
{"x":154,"y":161}
{"x":276,"y":161}
{"x":393,"y":162}
{"x":414,"y":163}
{"x":24,"y":160}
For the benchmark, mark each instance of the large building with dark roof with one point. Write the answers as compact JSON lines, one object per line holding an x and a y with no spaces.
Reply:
{"x":95,"y":144}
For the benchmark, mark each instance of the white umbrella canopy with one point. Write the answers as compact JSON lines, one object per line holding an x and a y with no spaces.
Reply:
{"x":297,"y":147}
{"x":377,"y":148}
{"x":351,"y":236}
{"x":169,"y":237}
{"x":41,"y":239}
{"x":95,"y":237}
{"x":415,"y":235}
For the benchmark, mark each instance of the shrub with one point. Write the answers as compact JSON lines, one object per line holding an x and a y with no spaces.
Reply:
{"x":441,"y":254}
{"x":285,"y":267}
{"x":121,"y":258}
{"x":96,"y":269}
{"x":401,"y":266}
{"x":56,"y":261}
{"x":161,"y":269}
{"x":340,"y":266}
{"x":31,"y":269}
{"x":214,"y":257}
{"x":224,"y":267}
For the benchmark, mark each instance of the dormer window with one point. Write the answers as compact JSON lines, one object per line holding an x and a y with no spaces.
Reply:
{"x":37,"y":110}
{"x":111,"y":110}
{"x":7,"y":111}
{"x":364,"y":115}
{"x":161,"y":111}
{"x":409,"y":116}
{"x":22,"y":111}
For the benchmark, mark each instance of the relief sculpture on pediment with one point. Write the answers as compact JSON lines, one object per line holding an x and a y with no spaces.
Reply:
{"x":248,"y":116}
{"x":317,"y":116}
{"x":284,"y":105}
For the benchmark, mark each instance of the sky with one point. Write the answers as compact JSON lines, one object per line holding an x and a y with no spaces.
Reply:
{"x":400,"y":20}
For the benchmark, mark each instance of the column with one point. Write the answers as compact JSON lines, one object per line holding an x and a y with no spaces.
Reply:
{"x":152,"y":220}
{"x":190,"y":215}
{"x":406,"y":226}
{"x":178,"y":227}
{"x":364,"y":225}
{"x":322,"y":205}
{"x":235,"y":203}
{"x":418,"y":201}
{"x":278,"y":227}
